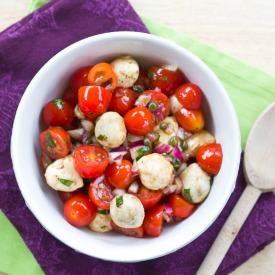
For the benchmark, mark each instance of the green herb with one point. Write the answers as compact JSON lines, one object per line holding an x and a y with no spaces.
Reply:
{"x":138,"y":89}
{"x":102,"y":137}
{"x":163,"y":125}
{"x":165,"y":78}
{"x":59,"y":103}
{"x":147,"y":142}
{"x":119,"y":201}
{"x":103,"y":211}
{"x":184,"y":145}
{"x":176,"y":163}
{"x":152,"y":106}
{"x":50,"y":141}
{"x":173,"y":141}
{"x":142,"y":151}
{"x":66,"y":182}
{"x":187,"y":194}
{"x":152,"y":75}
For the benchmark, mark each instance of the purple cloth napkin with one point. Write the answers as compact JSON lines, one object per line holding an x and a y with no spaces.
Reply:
{"x":24,"y":48}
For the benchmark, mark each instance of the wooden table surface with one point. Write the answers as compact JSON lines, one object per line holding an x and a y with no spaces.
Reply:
{"x":242,"y":28}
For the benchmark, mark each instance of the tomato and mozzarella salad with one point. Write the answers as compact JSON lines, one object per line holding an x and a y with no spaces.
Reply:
{"x":126,"y":149}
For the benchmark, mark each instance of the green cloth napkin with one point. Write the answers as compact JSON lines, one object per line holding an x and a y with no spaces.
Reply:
{"x":15,"y":257}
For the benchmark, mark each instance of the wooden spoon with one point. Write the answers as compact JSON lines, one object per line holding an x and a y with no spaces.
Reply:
{"x":259,"y":169}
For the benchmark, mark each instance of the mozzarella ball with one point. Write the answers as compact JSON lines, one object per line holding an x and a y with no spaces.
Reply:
{"x":110,"y":130}
{"x":175,"y":105}
{"x":197,"y":140}
{"x":167,"y":134}
{"x":196,"y":183}
{"x":155,"y":171}
{"x":62,"y":176}
{"x":127,"y":211}
{"x":101,"y":223}
{"x":127,"y":71}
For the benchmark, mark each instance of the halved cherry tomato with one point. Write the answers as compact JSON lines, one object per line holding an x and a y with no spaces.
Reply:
{"x":79,"y":211}
{"x":45,"y":161}
{"x":190,"y":120}
{"x":94,"y":100}
{"x":209,"y":158}
{"x":190,"y":96}
{"x":58,"y":112}
{"x":159,"y":101}
{"x":132,"y":232}
{"x":119,"y":175}
{"x":90,"y":161}
{"x":100,"y":194}
{"x":102,"y":74}
{"x":55,"y":142}
{"x":139,"y":121}
{"x":148,"y":198}
{"x":70,"y":96}
{"x":164,"y":79}
{"x":181,"y":207}
{"x":79,"y":79}
{"x":123,"y":100}
{"x":153,"y":221}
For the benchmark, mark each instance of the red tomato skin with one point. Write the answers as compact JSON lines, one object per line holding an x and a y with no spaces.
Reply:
{"x":165,"y":80}
{"x":90,"y":161}
{"x":64,"y":196}
{"x":143,"y":80}
{"x":55,"y":142}
{"x":58,"y":112}
{"x":181,"y":208}
{"x":153,"y":221}
{"x":131,"y":232}
{"x":148,"y":198}
{"x":123,"y":100}
{"x":190,"y":96}
{"x":100,"y":194}
{"x":79,"y":211}
{"x":45,"y":161}
{"x":94,"y":100}
{"x":190,"y":120}
{"x":79,"y":79}
{"x":70,"y":96}
{"x":139,"y":121}
{"x":119,"y":175}
{"x":209,"y":158}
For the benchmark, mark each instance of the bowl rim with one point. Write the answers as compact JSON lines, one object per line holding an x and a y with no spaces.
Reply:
{"x":132,"y":36}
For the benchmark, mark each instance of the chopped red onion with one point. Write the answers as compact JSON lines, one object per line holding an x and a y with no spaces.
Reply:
{"x":99,"y":180}
{"x":163,"y":149}
{"x":153,"y":136}
{"x":159,"y":113}
{"x":171,"y":188}
{"x":87,"y":125}
{"x":136,"y":144}
{"x":143,"y":100}
{"x":177,"y":154}
{"x":118,"y":192}
{"x":76,"y":133}
{"x":120,"y":149}
{"x":133,"y":138}
{"x":181,"y":133}
{"x":133,"y":188}
{"x":168,"y":213}
{"x":178,"y":183}
{"x":181,"y":168}
{"x":116,"y":156}
{"x":168,"y":209}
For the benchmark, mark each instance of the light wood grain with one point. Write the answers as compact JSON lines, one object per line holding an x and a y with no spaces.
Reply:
{"x":242,"y":28}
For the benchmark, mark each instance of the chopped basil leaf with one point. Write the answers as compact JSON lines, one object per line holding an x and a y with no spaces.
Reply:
{"x":59,"y":103}
{"x":103,"y":211}
{"x":173,"y":141}
{"x":165,"y":78}
{"x":66,"y":182}
{"x":187,"y":194}
{"x":119,"y":201}
{"x":152,"y":75}
{"x":138,"y":89}
{"x":176,"y":163}
{"x":50,"y":141}
{"x":142,"y":151}
{"x":152,"y":106}
{"x":163,"y":125}
{"x":102,"y":137}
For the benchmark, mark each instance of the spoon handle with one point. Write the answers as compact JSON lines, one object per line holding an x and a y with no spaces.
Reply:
{"x":229,"y":231}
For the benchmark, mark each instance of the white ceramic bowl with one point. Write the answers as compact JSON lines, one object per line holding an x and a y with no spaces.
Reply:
{"x":51,"y":80}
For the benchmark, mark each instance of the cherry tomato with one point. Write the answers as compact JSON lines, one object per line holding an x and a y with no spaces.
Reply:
{"x":160,"y":103}
{"x":153,"y":221}
{"x":123,"y":100}
{"x":209,"y":158}
{"x":94,"y":100}
{"x":119,"y":175}
{"x":190,"y":120}
{"x":70,"y":96}
{"x":139,"y":121}
{"x":148,"y":198}
{"x":58,"y":113}
{"x":190,"y":96}
{"x":165,"y":80}
{"x":79,"y":211}
{"x":100,"y":194}
{"x":79,"y":79}
{"x":142,"y":82}
{"x":90,"y":161}
{"x":132,"y":232}
{"x":55,"y":142}
{"x":102,"y":73}
{"x":45,"y":161}
{"x":181,"y":207}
